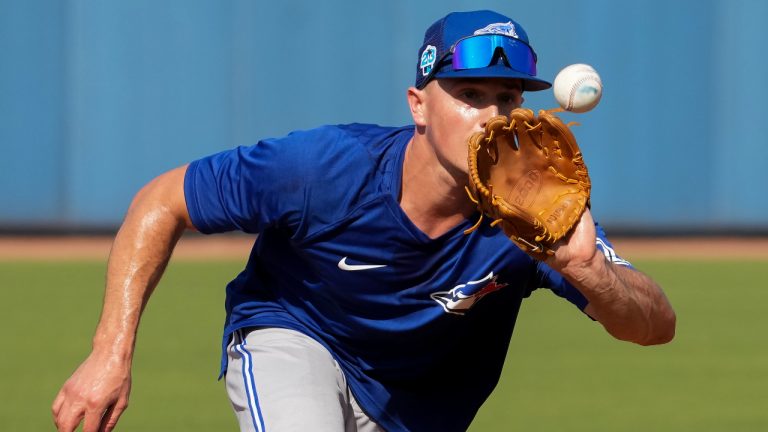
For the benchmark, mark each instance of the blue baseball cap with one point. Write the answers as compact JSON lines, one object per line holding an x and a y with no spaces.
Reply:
{"x":477,"y":44}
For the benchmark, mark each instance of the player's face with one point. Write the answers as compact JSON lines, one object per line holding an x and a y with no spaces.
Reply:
{"x":457,"y":108}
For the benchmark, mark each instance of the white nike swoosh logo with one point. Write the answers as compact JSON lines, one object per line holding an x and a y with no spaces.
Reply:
{"x":356,"y":267}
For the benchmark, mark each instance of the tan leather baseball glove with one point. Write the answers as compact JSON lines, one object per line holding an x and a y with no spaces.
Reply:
{"x":526,"y":172}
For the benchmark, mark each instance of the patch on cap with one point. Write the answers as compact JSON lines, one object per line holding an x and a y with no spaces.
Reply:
{"x":428,"y":59}
{"x":507,"y":29}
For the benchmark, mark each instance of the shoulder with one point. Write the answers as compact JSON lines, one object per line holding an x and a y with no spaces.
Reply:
{"x":353,"y":137}
{"x":331,"y":149}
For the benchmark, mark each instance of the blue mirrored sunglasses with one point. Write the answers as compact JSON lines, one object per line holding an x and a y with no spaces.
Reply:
{"x":477,"y":51}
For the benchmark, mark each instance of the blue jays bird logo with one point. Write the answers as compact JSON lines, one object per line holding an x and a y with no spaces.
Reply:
{"x":507,"y":29}
{"x":462,"y":297}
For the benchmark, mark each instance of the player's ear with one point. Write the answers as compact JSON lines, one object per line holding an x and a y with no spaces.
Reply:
{"x":416,"y":100}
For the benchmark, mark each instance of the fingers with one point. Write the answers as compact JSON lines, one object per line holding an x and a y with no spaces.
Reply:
{"x":92,"y":420}
{"x":110,"y":418}
{"x":95,"y":420}
{"x":99,"y":419}
{"x":106,"y":424}
{"x":96,"y":394}
{"x":68,"y":412}
{"x":61,"y":416}
{"x":65,"y":419}
{"x":56,"y":406}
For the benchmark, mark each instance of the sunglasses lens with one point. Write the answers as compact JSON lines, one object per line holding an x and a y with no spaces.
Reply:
{"x":477,"y":52}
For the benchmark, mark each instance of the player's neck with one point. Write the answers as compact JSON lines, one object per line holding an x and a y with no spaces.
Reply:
{"x":433,"y":198}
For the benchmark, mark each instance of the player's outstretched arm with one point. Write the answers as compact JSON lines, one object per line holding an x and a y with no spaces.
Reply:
{"x":97,"y":392}
{"x":628,"y":303}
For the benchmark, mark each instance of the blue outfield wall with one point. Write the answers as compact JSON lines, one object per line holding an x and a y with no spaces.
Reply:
{"x":98,"y":97}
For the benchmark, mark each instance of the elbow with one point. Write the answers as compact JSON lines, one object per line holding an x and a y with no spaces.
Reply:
{"x":662,"y":331}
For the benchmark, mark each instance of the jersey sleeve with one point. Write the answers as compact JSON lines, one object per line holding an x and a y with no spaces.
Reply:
{"x":301,"y":182}
{"x":248,"y":188}
{"x":549,"y":278}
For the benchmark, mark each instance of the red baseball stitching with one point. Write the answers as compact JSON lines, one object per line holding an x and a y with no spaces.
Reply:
{"x":572,"y":93}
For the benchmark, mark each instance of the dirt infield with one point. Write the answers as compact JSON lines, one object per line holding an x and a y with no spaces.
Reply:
{"x":98,"y":247}
{"x":237,"y":247}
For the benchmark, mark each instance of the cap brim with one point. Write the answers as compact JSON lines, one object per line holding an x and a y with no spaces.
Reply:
{"x":496,"y":71}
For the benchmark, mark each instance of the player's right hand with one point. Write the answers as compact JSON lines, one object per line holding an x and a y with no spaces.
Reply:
{"x":96,"y":394}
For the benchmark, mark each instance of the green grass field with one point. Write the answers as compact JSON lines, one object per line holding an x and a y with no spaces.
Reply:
{"x":563,"y":372}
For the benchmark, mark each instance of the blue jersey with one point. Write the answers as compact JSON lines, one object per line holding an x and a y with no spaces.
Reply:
{"x":419,"y":325}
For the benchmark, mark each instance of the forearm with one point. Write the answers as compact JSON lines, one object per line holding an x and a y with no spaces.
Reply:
{"x":139,"y":255}
{"x":628,"y":303}
{"x":97,"y":392}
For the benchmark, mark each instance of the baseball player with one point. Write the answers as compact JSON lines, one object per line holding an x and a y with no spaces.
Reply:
{"x":364,"y":305}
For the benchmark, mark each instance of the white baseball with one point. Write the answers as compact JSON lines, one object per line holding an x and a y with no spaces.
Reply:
{"x":578,"y":88}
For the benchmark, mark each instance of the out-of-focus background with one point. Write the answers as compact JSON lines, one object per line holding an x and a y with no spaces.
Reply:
{"x":98,"y":97}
